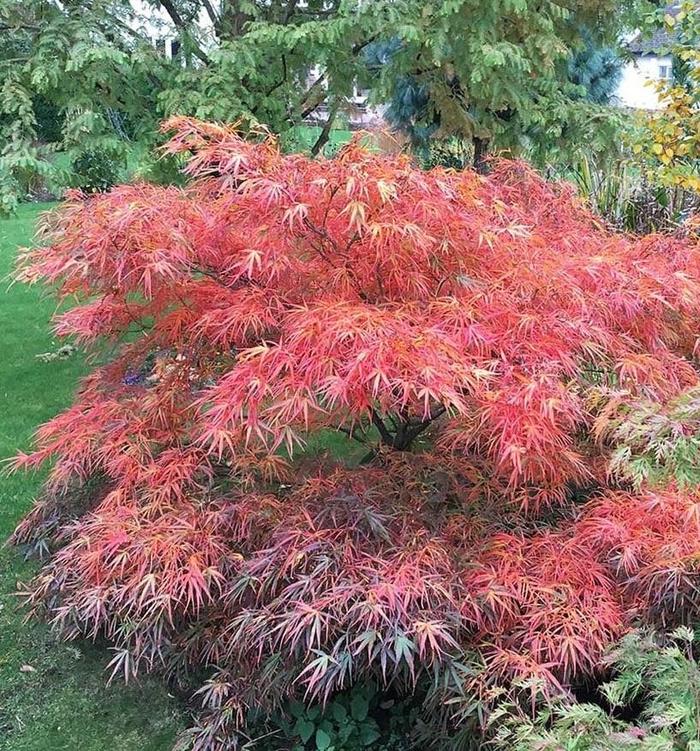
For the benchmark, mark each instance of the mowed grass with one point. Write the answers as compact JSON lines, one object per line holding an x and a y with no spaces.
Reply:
{"x":53,"y":695}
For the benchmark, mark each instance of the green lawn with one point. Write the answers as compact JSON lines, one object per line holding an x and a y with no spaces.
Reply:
{"x":60,"y":700}
{"x":303,"y":137}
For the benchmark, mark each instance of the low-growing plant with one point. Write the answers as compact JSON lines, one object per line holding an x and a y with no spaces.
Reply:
{"x":357,"y":719}
{"x":656,"y":688}
{"x":454,"y":153}
{"x":160,"y":169}
{"x":95,"y":171}
{"x":466,"y":335}
{"x":624,"y":195}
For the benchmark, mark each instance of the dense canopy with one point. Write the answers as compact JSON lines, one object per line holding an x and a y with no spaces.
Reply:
{"x":497,"y":71}
{"x":350,"y":419}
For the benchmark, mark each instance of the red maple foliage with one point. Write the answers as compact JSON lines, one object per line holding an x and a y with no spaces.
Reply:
{"x":350,"y":428}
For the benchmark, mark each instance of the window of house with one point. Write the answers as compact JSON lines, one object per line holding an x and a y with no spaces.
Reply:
{"x":665,"y":71}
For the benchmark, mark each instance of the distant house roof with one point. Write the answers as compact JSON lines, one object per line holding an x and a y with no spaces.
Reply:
{"x":659,"y":43}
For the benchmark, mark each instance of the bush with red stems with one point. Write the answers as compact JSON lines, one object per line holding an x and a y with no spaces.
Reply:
{"x":359,"y":427}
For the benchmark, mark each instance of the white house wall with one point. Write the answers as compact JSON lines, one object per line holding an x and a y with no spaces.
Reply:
{"x":636,"y":88}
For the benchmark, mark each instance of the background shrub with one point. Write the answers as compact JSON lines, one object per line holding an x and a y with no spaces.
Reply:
{"x":651,"y":702}
{"x":49,"y":120}
{"x":623,"y":194}
{"x":96,"y":171}
{"x":357,"y":719}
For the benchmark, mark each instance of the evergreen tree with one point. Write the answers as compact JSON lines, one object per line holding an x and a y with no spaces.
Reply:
{"x":597,"y":68}
{"x":593,"y":74}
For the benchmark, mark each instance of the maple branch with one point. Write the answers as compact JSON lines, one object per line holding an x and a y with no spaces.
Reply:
{"x":210,"y":274}
{"x":406,"y":430}
{"x":334,"y":191}
{"x":323,"y":234}
{"x":353,"y":435}
{"x":378,"y":423}
{"x":413,"y":432}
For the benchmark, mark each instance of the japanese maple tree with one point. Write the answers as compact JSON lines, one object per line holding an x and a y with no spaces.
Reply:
{"x":357,"y":422}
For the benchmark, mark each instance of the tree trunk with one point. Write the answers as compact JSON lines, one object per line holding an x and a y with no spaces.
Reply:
{"x":481,"y":151}
{"x":232,"y":20}
{"x":326,"y":131}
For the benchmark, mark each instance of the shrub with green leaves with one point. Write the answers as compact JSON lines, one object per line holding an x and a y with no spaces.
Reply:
{"x":621,"y":192}
{"x":95,"y":171}
{"x":360,"y":718}
{"x":159,"y":169}
{"x":655,"y":686}
{"x":453,"y":153}
{"x":655,"y":444}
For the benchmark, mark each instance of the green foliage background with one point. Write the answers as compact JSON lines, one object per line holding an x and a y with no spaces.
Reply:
{"x":497,"y":72}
